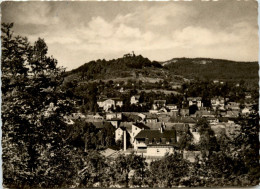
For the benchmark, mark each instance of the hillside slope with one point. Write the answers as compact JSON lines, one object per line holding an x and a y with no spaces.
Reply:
{"x":177,"y":69}
{"x":205,"y":68}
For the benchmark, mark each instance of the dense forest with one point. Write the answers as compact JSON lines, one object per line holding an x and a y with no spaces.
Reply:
{"x":121,"y":67}
{"x":190,"y":68}
{"x":212,"y":69}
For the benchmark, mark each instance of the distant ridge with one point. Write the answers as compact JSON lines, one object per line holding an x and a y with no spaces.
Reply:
{"x":208,"y":68}
{"x":191,"y":68}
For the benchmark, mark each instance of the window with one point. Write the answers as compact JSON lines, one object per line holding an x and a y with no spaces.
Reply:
{"x":158,"y":150}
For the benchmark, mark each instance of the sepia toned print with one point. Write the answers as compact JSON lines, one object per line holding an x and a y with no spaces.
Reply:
{"x":129,"y":94}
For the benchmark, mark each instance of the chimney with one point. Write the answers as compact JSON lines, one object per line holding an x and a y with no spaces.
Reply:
{"x":161,"y":129}
{"x":124,"y":140}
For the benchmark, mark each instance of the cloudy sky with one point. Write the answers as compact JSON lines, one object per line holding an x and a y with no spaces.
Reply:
{"x":77,"y":32}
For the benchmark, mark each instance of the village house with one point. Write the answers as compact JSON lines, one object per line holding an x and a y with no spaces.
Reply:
{"x":97,"y":116}
{"x":152,"y":111}
{"x":119,"y":133}
{"x":162,"y":110}
{"x":248,"y":95}
{"x":151,"y":118}
{"x":195,"y":133}
{"x":155,"y":143}
{"x":114,"y":118}
{"x":158,"y":104}
{"x":172,"y":107}
{"x":121,"y":90}
{"x":135,"y":99}
{"x":232,"y":113}
{"x":114,"y":115}
{"x":136,"y":128}
{"x":212,"y":120}
{"x":195,"y":101}
{"x":233,"y":106}
{"x":218,"y":103}
{"x":101,"y":124}
{"x":204,"y":113}
{"x":246,"y":111}
{"x":108,"y":104}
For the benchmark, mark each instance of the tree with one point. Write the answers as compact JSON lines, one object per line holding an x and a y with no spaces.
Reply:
{"x":168,"y":171}
{"x":123,"y":164}
{"x":33,"y":108}
{"x":208,"y":141}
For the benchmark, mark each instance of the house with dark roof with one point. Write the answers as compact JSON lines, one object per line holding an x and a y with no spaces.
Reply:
{"x":155,"y":142}
{"x":157,"y":104}
{"x":180,"y":119}
{"x":136,"y":128}
{"x":101,"y":124}
{"x":151,"y":118}
{"x":204,"y":113}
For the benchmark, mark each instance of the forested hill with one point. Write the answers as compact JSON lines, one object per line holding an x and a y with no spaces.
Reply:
{"x":121,"y":67}
{"x":191,"y":68}
{"x":205,"y":68}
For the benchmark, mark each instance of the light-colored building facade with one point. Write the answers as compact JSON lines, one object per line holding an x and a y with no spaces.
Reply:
{"x":218,"y":102}
{"x":155,"y":143}
{"x":135,"y":99}
{"x":110,"y":103}
{"x":195,"y":101}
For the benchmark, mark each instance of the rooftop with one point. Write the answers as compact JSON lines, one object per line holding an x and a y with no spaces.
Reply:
{"x":156,"y":134}
{"x":141,"y":125}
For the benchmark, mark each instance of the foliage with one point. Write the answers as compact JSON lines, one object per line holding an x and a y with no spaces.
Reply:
{"x":168,"y":171}
{"x":123,"y":164}
{"x":211,"y":69}
{"x":97,"y":69}
{"x":32,"y":114}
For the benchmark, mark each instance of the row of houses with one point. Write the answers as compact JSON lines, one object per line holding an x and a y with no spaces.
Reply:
{"x":157,"y":132}
{"x":154,"y":135}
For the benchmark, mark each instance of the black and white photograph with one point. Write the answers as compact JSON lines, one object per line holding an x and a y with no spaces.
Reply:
{"x":129,"y":94}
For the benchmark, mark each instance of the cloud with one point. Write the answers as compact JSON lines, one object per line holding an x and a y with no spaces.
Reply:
{"x":160,"y":30}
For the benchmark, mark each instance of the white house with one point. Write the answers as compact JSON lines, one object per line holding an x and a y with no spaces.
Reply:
{"x":155,"y":143}
{"x":195,"y":133}
{"x":195,"y":101}
{"x":172,"y":107}
{"x":107,"y":104}
{"x":119,"y":133}
{"x":246,"y":111}
{"x":135,"y":99}
{"x":218,"y":102}
{"x":114,"y":115}
{"x":233,"y":106}
{"x":136,"y":128}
